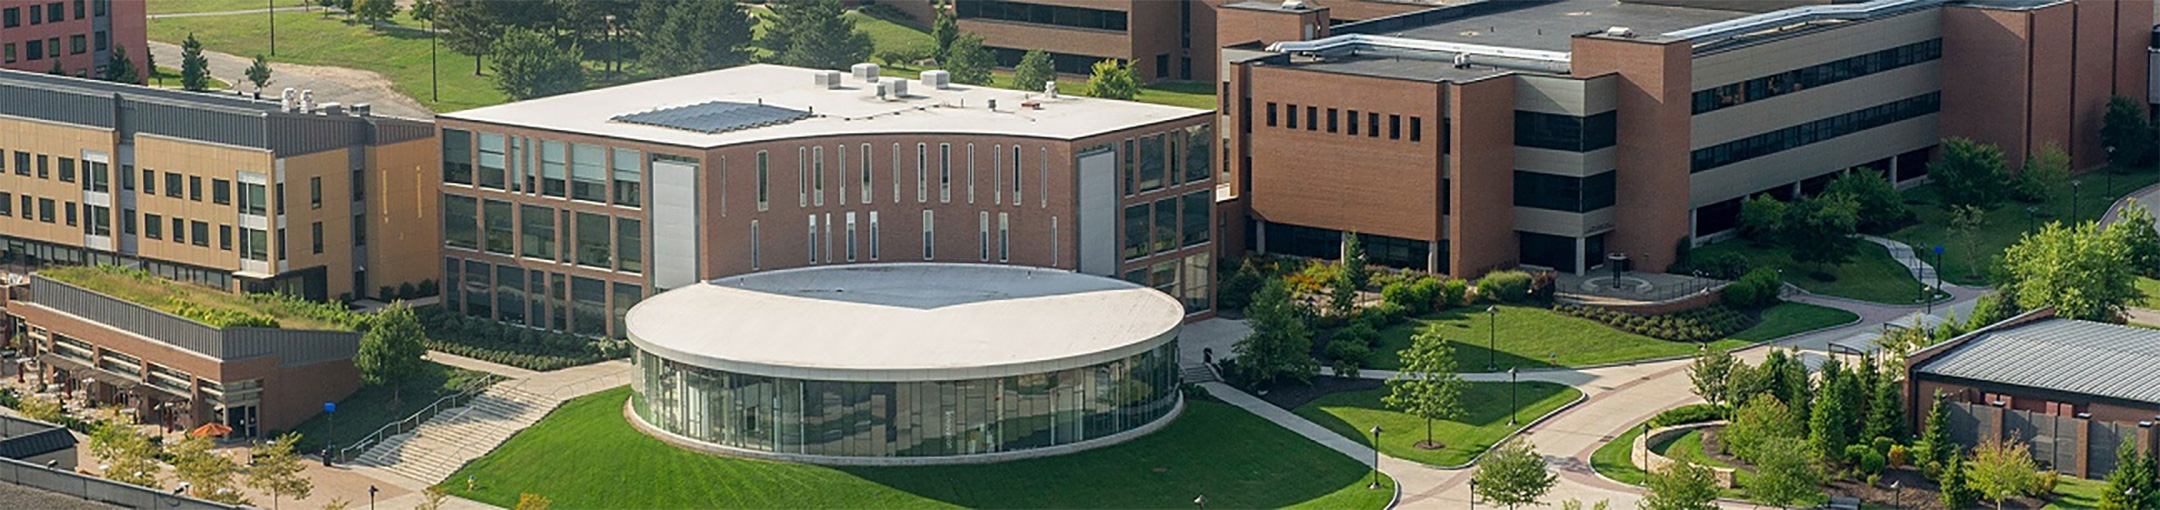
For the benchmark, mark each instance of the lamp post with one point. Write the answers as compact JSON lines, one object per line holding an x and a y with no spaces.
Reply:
{"x":371,"y":497}
{"x":1929,"y":294}
{"x":1200,"y":501}
{"x":2110,"y":170}
{"x":2074,"y":200}
{"x":1375,"y":458}
{"x":1897,"y":494}
{"x":1492,"y":338}
{"x":434,"y":84}
{"x":1512,"y":408}
{"x":273,"y":32}
{"x":1473,"y":494}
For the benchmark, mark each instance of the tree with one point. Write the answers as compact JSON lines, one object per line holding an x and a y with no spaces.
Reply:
{"x":528,"y":65}
{"x":121,"y":69}
{"x":1711,"y":374}
{"x":815,"y":34}
{"x":149,"y":66}
{"x":2082,"y":271}
{"x":1956,"y":491}
{"x":1034,"y":70}
{"x":2002,"y":470}
{"x":1342,"y":295}
{"x":2048,"y":164}
{"x":1835,"y":410}
{"x":1280,"y":344}
{"x":374,"y":11}
{"x":1762,"y":218}
{"x":1681,"y":486}
{"x":690,"y":36}
{"x":41,"y":409}
{"x":1354,"y":261}
{"x":1966,"y":221}
{"x":1886,"y":409}
{"x":1113,"y":79}
{"x":258,"y":73}
{"x":2126,"y":128}
{"x":1881,"y":208}
{"x":1936,"y":448}
{"x":424,"y":10}
{"x":277,"y":470}
{"x":129,"y":457}
{"x":967,"y":60}
{"x":469,"y":27}
{"x":390,"y":350}
{"x":1970,"y":172}
{"x":337,"y":504}
{"x":1755,"y":425}
{"x":2131,"y":481}
{"x":943,"y":33}
{"x":2135,"y":223}
{"x":194,"y":68}
{"x":326,"y":5}
{"x":1427,"y":387}
{"x":1785,"y":474}
{"x":433,"y":498}
{"x":208,"y":473}
{"x":1820,"y":228}
{"x":1513,"y":474}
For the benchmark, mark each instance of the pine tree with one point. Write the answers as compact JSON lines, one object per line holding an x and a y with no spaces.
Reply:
{"x":121,"y":68}
{"x":943,"y":33}
{"x":1956,"y":493}
{"x":1935,"y":438}
{"x":2132,"y":479}
{"x":815,"y":34}
{"x":1354,"y":264}
{"x":258,"y":73}
{"x":194,"y":68}
{"x":528,"y":64}
{"x":689,"y":36}
{"x":1827,"y":425}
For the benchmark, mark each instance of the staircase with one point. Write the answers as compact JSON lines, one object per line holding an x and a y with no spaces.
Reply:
{"x":1196,"y":374}
{"x":435,"y":450}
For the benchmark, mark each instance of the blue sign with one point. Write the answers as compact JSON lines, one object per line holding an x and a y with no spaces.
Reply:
{"x":329,"y":407}
{"x":1938,"y":249}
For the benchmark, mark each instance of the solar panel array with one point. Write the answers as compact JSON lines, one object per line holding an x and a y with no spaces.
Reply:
{"x":715,"y":117}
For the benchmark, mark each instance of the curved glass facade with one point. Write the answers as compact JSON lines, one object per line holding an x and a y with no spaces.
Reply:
{"x":907,"y":419}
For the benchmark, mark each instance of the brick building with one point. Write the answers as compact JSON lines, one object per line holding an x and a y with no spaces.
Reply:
{"x":77,"y":37}
{"x":1556,"y":133}
{"x":562,"y":212}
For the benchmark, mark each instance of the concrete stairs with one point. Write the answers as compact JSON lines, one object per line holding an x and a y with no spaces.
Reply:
{"x":1196,"y":374}
{"x":435,"y":450}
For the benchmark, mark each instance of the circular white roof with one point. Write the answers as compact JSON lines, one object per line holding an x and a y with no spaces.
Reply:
{"x":904,"y":322}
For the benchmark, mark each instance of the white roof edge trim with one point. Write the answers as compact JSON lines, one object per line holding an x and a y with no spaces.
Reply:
{"x":1349,"y":40}
{"x":1864,"y":10}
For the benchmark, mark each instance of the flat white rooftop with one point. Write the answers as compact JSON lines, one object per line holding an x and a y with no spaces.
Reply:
{"x":852,"y":109}
{"x":904,"y":322}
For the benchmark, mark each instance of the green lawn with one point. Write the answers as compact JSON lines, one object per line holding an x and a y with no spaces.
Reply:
{"x":169,"y":77}
{"x":307,"y":38}
{"x":1484,"y":422}
{"x":1787,"y":319}
{"x":371,"y":407}
{"x":185,"y":6}
{"x":142,"y":288}
{"x":1869,"y":276}
{"x":1528,"y":338}
{"x":586,"y":456}
{"x":2077,"y":493}
{"x":2010,"y":220}
{"x":1613,"y":458}
{"x":2151,"y":288}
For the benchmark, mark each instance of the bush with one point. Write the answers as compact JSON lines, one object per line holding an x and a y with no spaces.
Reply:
{"x":1699,"y":325}
{"x":1854,"y":453}
{"x":1511,"y":286}
{"x":1237,"y":291}
{"x":1872,"y":463}
{"x":1544,"y":286}
{"x":386,"y":294}
{"x":1883,"y":445}
{"x":407,"y":291}
{"x":1692,"y":413}
{"x":1454,"y":293}
{"x":1424,"y":294}
{"x":1386,"y":314}
{"x":428,"y":288}
{"x":1759,"y":289}
{"x":1349,"y":350}
{"x":1361,"y":332}
{"x":1720,"y":265}
{"x":1397,"y":293}
{"x":512,"y":345}
{"x":2047,"y":482}
{"x":903,"y":56}
{"x":1899,"y":456}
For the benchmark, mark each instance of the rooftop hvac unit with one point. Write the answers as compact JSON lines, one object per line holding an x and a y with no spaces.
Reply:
{"x":333,"y":109}
{"x":1050,"y":89}
{"x":307,"y":100}
{"x":826,"y":79}
{"x":938,"y":79}
{"x":1619,"y":32}
{"x":865,"y":71}
{"x":290,"y":100}
{"x":892,"y":88}
{"x":362,"y":109}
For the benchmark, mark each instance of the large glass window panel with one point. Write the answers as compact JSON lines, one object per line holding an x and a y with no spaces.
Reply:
{"x":1151,"y":162}
{"x":457,"y":157}
{"x":629,"y":245}
{"x":1136,"y":231}
{"x":536,"y":231}
{"x":510,"y":294}
{"x":554,"y":168}
{"x":479,"y":289}
{"x":1194,"y":223}
{"x":1166,"y":224}
{"x":593,"y":240}
{"x":629,"y":176}
{"x":501,"y":226}
{"x":588,"y":173}
{"x":492,"y":161}
{"x":461,"y":222}
{"x":626,"y":295}
{"x":588,"y":305}
{"x":1199,"y":152}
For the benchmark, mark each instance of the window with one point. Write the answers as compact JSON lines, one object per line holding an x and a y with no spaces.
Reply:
{"x":1312,"y":118}
{"x":1194,"y":219}
{"x":536,"y":232}
{"x":1040,"y":14}
{"x":72,"y":215}
{"x":95,"y":177}
{"x":929,"y":235}
{"x":1372,"y":125}
{"x":629,"y":177}
{"x":1331,"y":120}
{"x":78,"y":44}
{"x":496,"y":216}
{"x":1818,"y":130}
{"x":1016,"y":175}
{"x":34,"y":49}
{"x":1564,"y":193}
{"x":1765,"y":87}
{"x":553,"y":158}
{"x":127,"y":217}
{"x":194,"y":188}
{"x":1565,"y":132}
{"x":922,"y":178}
{"x":1417,"y":129}
{"x":359,"y":184}
{"x":873,"y":235}
{"x":457,"y":156}
{"x":1151,"y":164}
{"x":982,"y":236}
{"x":11,"y":17}
{"x":461,"y":222}
{"x":7,"y":204}
{"x":149,"y":182}
{"x":1004,"y":237}
{"x":1291,"y":110}
{"x":850,"y":237}
{"x":764,"y":180}
{"x":102,"y":40}
{"x":865,"y":173}
{"x":179,"y":231}
{"x":817,"y":176}
{"x":812,"y":237}
{"x":22,"y":164}
{"x":67,"y":169}
{"x":1136,"y":231}
{"x":753,"y":245}
{"x":592,"y":240}
{"x":173,"y":184}
{"x":1271,"y":117}
{"x":802,"y":177}
{"x":200,"y":232}
{"x":127,"y":176}
{"x":252,"y":200}
{"x":1199,"y":155}
{"x":79,"y":10}
{"x":971,"y":173}
{"x":1166,"y":224}
{"x":359,"y":230}
{"x":494,"y":161}
{"x":944,"y":173}
{"x":97,"y":221}
{"x":588,"y":173}
{"x":37,"y":14}
{"x":629,"y":245}
{"x":315,"y":236}
{"x":153,"y":225}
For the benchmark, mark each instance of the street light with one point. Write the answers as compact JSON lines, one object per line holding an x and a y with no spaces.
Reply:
{"x":1512,"y":408}
{"x":1375,"y":458}
{"x":371,"y":497}
{"x":1897,"y":494}
{"x":1492,"y":338}
{"x":1473,"y":494}
{"x":2110,"y":170}
{"x":1200,"y":501}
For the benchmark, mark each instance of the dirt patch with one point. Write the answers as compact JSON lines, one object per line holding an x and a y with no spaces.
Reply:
{"x":1290,"y":394}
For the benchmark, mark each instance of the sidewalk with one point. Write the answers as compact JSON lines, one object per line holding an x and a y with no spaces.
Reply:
{"x":507,"y":371}
{"x":1904,"y":255}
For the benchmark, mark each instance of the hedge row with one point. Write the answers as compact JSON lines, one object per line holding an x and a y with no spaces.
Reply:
{"x":1698,"y":325}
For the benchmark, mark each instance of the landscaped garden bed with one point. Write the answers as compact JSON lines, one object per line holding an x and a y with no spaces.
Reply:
{"x":521,"y":347}
{"x":209,"y":306}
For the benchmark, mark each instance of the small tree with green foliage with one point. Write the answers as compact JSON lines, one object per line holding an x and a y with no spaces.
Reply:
{"x":1881,"y":208}
{"x":2002,"y":470}
{"x":1969,"y":172}
{"x":390,"y":350}
{"x":2134,"y":225}
{"x":528,"y":64}
{"x":1834,"y":411}
{"x":1354,"y":263}
{"x":1711,"y":375}
{"x":374,"y":11}
{"x":944,"y":31}
{"x":1956,"y":491}
{"x":1966,"y":221}
{"x":1513,"y":474}
{"x":1785,"y":474}
{"x":1342,"y":295}
{"x":1280,"y":345}
{"x":41,"y":409}
{"x":128,"y":456}
{"x":684,"y":37}
{"x":194,"y":68}
{"x":1886,"y":409}
{"x":468,"y":26}
{"x":122,"y":69}
{"x":258,"y":73}
{"x":277,"y":469}
{"x":2126,"y":128}
{"x":1937,"y":450}
{"x":968,"y":62}
{"x":2132,"y":482}
{"x":1427,"y":386}
{"x":2083,"y":271}
{"x":1763,"y":420}
{"x":1034,"y":70}
{"x":2048,"y":164}
{"x":1820,"y":228}
{"x":1762,"y":219}
{"x":1113,"y":79}
{"x":208,"y":472}
{"x":1681,"y":486}
{"x":815,"y":34}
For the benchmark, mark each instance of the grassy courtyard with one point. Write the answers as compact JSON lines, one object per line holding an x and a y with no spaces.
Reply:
{"x":1870,"y":275}
{"x":371,"y":407}
{"x":1530,"y":337}
{"x":586,"y":456}
{"x":2010,"y":220}
{"x":400,"y":56}
{"x":1484,"y":421}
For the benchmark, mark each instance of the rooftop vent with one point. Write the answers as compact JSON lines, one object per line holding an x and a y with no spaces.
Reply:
{"x":937,"y":79}
{"x":1050,"y":89}
{"x":332,"y":108}
{"x":892,"y":88}
{"x":1293,"y":5}
{"x":865,"y":72}
{"x":290,"y":100}
{"x":307,"y":101}
{"x":1462,"y":61}
{"x":362,"y":109}
{"x":826,"y":79}
{"x":1619,"y":32}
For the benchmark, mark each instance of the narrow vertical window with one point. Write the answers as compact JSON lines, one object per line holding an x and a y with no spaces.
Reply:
{"x":866,"y":173}
{"x":1042,"y":196}
{"x":850,"y":237}
{"x":997,"y":173}
{"x":971,"y":173}
{"x":944,"y":173}
{"x":839,"y":172}
{"x":817,"y":176}
{"x":1055,"y":256}
{"x":922,"y":176}
{"x":982,"y":236}
{"x":896,"y":173}
{"x":825,"y":238}
{"x":873,"y":236}
{"x":813,"y":239}
{"x":753,"y":245}
{"x":802,"y":177}
{"x":1004,"y":238}
{"x":764,"y":181}
{"x":1016,"y":175}
{"x":929,"y":234}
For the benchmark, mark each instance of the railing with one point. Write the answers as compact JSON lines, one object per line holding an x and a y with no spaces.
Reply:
{"x":98,"y":489}
{"x":410,"y":423}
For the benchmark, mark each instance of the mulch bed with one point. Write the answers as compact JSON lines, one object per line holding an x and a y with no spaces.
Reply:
{"x":1290,"y":394}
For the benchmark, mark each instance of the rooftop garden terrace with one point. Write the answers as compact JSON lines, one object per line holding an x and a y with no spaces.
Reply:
{"x":209,"y":306}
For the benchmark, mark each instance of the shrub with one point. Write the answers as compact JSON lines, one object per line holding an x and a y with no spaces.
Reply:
{"x":2047,"y":481}
{"x":428,"y":287}
{"x":1699,"y":325}
{"x":902,"y":56}
{"x":1898,"y":455}
{"x":1397,"y":293}
{"x":1720,"y":265}
{"x":1424,"y":295}
{"x":1883,"y":445}
{"x":1349,"y":350}
{"x":1359,"y":331}
{"x":1856,"y":452}
{"x":407,"y":291}
{"x":1387,"y":314}
{"x":1692,"y":413}
{"x":1544,"y":286}
{"x":1238,"y":290}
{"x":1454,"y":293}
{"x":1756,"y":290}
{"x":386,"y":294}
{"x":1509,"y":286}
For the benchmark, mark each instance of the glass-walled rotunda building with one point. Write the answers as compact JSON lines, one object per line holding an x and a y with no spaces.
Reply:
{"x":905,"y":363}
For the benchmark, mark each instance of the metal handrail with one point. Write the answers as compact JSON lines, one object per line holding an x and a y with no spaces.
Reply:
{"x":409,"y":423}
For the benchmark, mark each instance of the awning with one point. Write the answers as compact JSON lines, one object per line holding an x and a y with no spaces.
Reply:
{"x":54,"y":360}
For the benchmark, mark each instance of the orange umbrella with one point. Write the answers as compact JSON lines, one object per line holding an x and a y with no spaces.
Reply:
{"x":212,"y":429}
